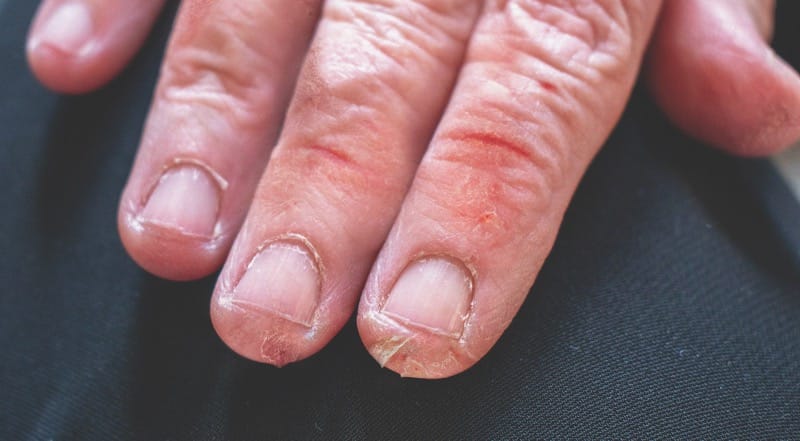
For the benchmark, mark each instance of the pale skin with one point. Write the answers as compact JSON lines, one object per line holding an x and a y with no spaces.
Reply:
{"x":409,"y":160}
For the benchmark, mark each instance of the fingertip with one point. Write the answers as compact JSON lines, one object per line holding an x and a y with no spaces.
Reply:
{"x":411,"y":353}
{"x":60,"y":72}
{"x":75,"y":46}
{"x":59,"y":41}
{"x":259,"y":335}
{"x":169,"y":253}
{"x":716,"y":78}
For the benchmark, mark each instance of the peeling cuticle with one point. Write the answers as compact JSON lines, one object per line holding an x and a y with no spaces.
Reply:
{"x":385,"y":350}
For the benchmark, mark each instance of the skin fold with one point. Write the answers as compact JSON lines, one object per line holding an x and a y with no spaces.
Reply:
{"x":411,"y":160}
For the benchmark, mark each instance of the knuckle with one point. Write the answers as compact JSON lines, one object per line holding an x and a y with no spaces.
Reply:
{"x":588,"y":39}
{"x":220,"y":70}
{"x":343,"y":170}
{"x":516,"y":130}
{"x":383,"y":43}
{"x":419,"y":22}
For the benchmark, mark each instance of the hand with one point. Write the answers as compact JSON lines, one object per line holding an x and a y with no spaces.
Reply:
{"x":428,"y":153}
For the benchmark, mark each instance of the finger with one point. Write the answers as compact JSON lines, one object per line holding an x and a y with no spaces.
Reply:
{"x":712,"y":71}
{"x":542,"y":86}
{"x":225,"y":82}
{"x":75,"y":46}
{"x":372,"y":88}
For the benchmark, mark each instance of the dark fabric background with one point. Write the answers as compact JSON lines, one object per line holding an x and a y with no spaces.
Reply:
{"x":670,"y":307}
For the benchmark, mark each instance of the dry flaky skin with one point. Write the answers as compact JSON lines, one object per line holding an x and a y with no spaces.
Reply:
{"x":412,"y":353}
{"x":455,"y":128}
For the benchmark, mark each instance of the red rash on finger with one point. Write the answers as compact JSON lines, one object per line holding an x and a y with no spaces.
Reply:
{"x":337,"y":155}
{"x":486,"y":141}
{"x":550,"y":87}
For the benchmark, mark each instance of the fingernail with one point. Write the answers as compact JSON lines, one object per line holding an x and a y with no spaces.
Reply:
{"x":186,"y":199}
{"x":283,"y":279}
{"x":433,"y":293}
{"x":68,"y":28}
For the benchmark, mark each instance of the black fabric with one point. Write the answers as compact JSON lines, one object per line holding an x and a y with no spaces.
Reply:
{"x":669,"y":308}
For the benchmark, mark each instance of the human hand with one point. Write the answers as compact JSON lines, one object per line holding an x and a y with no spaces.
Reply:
{"x":429,"y":150}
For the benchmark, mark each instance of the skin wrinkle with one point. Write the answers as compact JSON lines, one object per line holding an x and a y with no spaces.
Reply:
{"x":354,"y":163}
{"x":196,"y":76}
{"x":385,"y":55}
{"x":318,"y":84}
{"x":497,"y":180}
{"x":565,"y":19}
{"x":541,"y":170}
{"x":522,"y":162}
{"x":359,"y":171}
{"x":329,"y":93}
{"x":345,"y":179}
{"x":604,"y":45}
{"x":574,"y":93}
{"x":206,"y":67}
{"x":399,"y":24}
{"x":527,"y":74}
